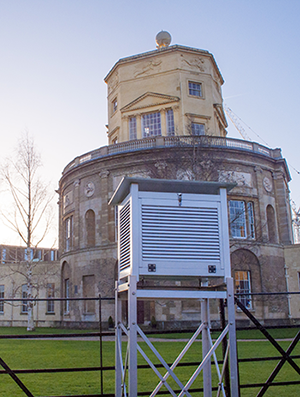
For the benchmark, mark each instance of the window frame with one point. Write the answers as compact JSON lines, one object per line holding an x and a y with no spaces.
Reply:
{"x":50,"y":294}
{"x":170,"y":125}
{"x":245,"y":299}
{"x":248,"y":220}
{"x":68,"y":233}
{"x":24,"y":306}
{"x":193,"y":123}
{"x":152,"y":122}
{"x":2,"y":291}
{"x":66,"y":295}
{"x":132,"y":128}
{"x":192,"y":90}
{"x":114,"y":105}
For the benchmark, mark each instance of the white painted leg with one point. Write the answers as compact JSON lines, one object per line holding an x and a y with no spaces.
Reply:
{"x":232,"y":339}
{"x":132,"y":325}
{"x":118,"y":343}
{"x":206,"y":347}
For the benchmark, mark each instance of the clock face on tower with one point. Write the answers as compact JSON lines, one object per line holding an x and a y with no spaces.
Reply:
{"x":89,"y":189}
{"x":267,"y":184}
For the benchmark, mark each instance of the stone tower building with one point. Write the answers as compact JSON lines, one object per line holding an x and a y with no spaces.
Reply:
{"x":166,"y":120}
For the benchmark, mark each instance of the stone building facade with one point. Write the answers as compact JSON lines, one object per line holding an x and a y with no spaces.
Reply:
{"x":166,"y":120}
{"x":45,"y":279}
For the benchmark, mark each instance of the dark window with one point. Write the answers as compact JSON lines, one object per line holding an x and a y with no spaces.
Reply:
{"x":90,"y":227}
{"x":198,"y":129}
{"x":24,"y":296}
{"x":271,"y":224}
{"x":68,"y":233}
{"x":195,"y":89}
{"x":50,"y":294}
{"x":2,"y":297}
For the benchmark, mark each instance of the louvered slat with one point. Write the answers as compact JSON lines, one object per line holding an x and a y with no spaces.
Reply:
{"x":125,"y":236}
{"x":182,"y":233}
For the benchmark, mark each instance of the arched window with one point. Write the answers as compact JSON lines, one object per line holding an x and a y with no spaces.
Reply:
{"x":271,"y":224}
{"x":90,"y":228}
{"x":246,"y":274}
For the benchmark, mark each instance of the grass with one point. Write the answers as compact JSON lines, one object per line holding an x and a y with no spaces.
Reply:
{"x":33,"y":354}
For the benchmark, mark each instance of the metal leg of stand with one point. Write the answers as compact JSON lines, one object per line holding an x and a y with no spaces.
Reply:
{"x":132,"y":325}
{"x":118,"y":342}
{"x":232,"y":339}
{"x":206,"y":347}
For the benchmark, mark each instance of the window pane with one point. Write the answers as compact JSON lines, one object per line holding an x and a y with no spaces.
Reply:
{"x":251,"y":220}
{"x":2,"y":297}
{"x":242,"y":286}
{"x":132,"y":128}
{"x":50,"y":294}
{"x":24,"y":296}
{"x":170,"y":122}
{"x":237,"y":219}
{"x":67,"y":295}
{"x":151,"y":124}
{"x":198,"y":129}
{"x":195,"y":89}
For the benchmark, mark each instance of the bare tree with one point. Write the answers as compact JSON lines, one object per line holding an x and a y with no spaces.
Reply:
{"x":30,"y":215}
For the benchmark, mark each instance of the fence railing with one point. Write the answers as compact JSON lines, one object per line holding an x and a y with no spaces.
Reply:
{"x":284,"y":356}
{"x":173,"y":141}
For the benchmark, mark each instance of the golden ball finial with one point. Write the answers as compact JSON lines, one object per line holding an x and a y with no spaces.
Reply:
{"x":163,"y":39}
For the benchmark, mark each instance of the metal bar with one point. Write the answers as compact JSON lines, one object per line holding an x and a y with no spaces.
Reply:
{"x":207,"y":357}
{"x":234,"y":377}
{"x":180,"y":294}
{"x":279,"y":366}
{"x":268,"y":336}
{"x":220,"y":377}
{"x":224,"y":349}
{"x":152,"y":366}
{"x":206,"y":348}
{"x":15,"y":378}
{"x":101,"y":347}
{"x":223,"y":371}
{"x":118,"y":345}
{"x":179,"y":357}
{"x":132,"y":326}
{"x":167,"y":367}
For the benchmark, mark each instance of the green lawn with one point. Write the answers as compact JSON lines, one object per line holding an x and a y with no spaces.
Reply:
{"x":33,"y":354}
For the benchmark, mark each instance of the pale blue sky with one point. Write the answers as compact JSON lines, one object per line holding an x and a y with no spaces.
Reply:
{"x":54,"y":55}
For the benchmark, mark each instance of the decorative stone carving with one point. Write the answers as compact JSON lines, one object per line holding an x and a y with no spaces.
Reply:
{"x":147,"y":68}
{"x":104,"y":174}
{"x":267,"y":184}
{"x":89,"y":189}
{"x":240,"y":178}
{"x":68,"y":199}
{"x":76,"y":182}
{"x":195,"y":63}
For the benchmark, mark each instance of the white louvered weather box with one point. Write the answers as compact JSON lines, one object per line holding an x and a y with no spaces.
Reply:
{"x":172,"y":228}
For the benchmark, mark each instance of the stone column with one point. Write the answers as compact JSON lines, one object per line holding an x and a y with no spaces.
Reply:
{"x":283,"y":212}
{"x":77,"y":226}
{"x":104,"y":218}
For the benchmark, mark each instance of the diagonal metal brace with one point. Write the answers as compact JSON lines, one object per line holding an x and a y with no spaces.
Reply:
{"x":279,"y":366}
{"x":15,"y":378}
{"x":268,"y":336}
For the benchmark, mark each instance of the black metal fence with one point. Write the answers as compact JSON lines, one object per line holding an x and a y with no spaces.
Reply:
{"x":242,"y":301}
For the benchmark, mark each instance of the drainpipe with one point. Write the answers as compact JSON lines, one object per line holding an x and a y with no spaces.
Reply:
{"x":287,"y":289}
